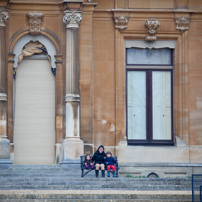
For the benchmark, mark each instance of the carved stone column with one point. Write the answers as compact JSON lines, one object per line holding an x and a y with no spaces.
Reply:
{"x":72,"y":144}
{"x":4,"y":142}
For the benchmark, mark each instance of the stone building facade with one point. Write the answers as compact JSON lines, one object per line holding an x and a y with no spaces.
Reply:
{"x":122,"y":73}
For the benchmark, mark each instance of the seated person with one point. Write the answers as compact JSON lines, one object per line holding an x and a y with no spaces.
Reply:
{"x":109,"y":162}
{"x":98,"y":158}
{"x":88,"y":162}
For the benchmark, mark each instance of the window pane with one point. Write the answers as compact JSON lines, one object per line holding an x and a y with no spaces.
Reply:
{"x":136,"y":105}
{"x":149,"y":56}
{"x":161,"y":101}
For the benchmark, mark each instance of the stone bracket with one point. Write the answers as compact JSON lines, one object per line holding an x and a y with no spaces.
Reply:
{"x":182,"y":23}
{"x":35,"y":22}
{"x":151,"y":25}
{"x":182,"y":20}
{"x":3,"y":17}
{"x":121,"y":22}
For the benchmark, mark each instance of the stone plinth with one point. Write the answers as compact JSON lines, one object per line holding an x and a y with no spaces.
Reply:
{"x":72,"y":150}
{"x":5,"y":162}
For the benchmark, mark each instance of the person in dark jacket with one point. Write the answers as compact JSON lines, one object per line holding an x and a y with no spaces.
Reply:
{"x":109,"y":161}
{"x":98,"y":158}
{"x":88,"y":162}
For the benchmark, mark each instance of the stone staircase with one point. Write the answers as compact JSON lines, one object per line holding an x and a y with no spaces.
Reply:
{"x":51,"y":183}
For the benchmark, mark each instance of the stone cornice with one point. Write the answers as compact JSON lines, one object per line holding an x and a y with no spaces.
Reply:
{"x":88,"y":7}
{"x":3,"y":17}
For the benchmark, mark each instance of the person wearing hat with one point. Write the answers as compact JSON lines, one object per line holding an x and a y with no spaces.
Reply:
{"x":109,"y":161}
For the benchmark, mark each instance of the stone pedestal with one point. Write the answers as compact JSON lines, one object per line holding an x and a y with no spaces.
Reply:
{"x":5,"y":162}
{"x":72,"y":150}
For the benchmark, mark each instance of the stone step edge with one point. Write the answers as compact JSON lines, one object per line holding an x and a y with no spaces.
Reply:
{"x":93,"y":192}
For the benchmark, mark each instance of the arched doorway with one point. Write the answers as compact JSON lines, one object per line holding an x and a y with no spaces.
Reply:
{"x":34,"y":111}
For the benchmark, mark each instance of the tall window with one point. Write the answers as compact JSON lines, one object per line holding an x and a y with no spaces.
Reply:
{"x":149,"y":74}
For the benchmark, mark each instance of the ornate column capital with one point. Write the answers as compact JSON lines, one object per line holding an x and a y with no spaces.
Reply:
{"x":35,"y":22}
{"x":3,"y":17}
{"x":72,"y":19}
{"x":151,"y":25}
{"x":121,"y":22}
{"x":182,"y":24}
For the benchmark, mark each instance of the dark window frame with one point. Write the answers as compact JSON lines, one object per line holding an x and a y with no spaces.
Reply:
{"x":149,"y":123}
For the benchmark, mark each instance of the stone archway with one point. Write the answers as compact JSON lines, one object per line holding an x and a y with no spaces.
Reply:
{"x":34,"y":101}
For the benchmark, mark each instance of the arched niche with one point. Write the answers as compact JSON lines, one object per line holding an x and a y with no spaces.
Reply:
{"x":41,"y":39}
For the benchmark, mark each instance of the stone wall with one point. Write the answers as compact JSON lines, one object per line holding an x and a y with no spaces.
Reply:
{"x":104,"y":27}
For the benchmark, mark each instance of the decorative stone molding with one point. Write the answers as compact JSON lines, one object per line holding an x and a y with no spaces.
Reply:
{"x":3,"y":97}
{"x":72,"y":19}
{"x":50,"y":48}
{"x":30,"y":49}
{"x":182,"y":24}
{"x":72,"y":98}
{"x":121,"y":23}
{"x":151,"y":25}
{"x":35,"y":22}
{"x":3,"y":17}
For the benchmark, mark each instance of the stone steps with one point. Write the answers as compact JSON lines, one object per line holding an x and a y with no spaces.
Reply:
{"x":53,"y":183}
{"x":111,"y":196}
{"x":53,"y":177}
{"x":90,"y":187}
{"x":74,"y":182}
{"x":90,"y":179}
{"x":121,"y":182}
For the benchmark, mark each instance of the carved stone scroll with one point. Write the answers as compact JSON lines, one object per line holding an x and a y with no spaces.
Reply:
{"x":72,"y":19}
{"x":182,"y":24}
{"x":121,"y":23}
{"x":35,"y":22}
{"x":30,"y":49}
{"x":3,"y":17}
{"x":151,"y":25}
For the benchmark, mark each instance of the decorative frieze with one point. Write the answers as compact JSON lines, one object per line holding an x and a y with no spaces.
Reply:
{"x":72,"y":19}
{"x":121,"y":22}
{"x":151,"y":25}
{"x":3,"y":17}
{"x":72,"y":98}
{"x":182,"y":24}
{"x":35,"y":23}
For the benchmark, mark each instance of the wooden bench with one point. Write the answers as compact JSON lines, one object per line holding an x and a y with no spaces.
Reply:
{"x":83,"y":168}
